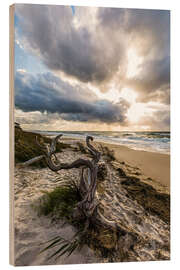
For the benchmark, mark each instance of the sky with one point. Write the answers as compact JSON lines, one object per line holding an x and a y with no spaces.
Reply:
{"x":93,"y":69}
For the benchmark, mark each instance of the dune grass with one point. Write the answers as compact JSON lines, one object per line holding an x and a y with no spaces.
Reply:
{"x":154,"y":202}
{"x":26,"y":147}
{"x":59,"y":203}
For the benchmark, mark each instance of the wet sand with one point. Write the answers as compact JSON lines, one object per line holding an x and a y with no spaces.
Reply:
{"x":153,"y":165}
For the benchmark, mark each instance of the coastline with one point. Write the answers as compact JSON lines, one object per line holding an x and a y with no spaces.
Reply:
{"x":152,"y":165}
{"x":156,"y":142}
{"x":128,"y":195}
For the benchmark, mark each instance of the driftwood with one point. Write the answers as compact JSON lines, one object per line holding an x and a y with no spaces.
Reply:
{"x":88,"y":180}
{"x":29,"y":162}
{"x":87,"y":210}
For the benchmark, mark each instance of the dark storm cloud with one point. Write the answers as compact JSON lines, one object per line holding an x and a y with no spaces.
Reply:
{"x":97,"y":55}
{"x":102,"y":110}
{"x":152,"y":25}
{"x":153,"y":28}
{"x":47,"y":93}
{"x":50,"y":32}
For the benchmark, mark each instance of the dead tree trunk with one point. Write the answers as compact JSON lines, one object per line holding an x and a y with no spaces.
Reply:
{"x":88,"y":181}
{"x":89,"y":168}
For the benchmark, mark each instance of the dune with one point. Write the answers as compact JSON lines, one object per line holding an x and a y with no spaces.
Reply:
{"x":134,"y":193}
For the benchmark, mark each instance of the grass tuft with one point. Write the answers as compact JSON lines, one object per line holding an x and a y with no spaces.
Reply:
{"x":59,"y":203}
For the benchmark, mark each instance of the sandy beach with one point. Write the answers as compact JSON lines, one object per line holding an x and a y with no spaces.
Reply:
{"x":152,"y":165}
{"x":90,"y":135}
{"x":134,"y":194}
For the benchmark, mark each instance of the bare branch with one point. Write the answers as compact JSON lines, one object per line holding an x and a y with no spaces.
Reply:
{"x":87,"y":185}
{"x":53,"y":144}
{"x":96,"y":155}
{"x":31,"y":161}
{"x":76,"y":164}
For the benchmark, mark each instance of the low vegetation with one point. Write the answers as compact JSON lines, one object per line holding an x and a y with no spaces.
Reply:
{"x":154,"y":202}
{"x":59,"y":203}
{"x":26,"y":147}
{"x":107,"y":153}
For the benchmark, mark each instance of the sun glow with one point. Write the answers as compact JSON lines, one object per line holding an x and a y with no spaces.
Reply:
{"x":138,"y":111}
{"x":134,"y":61}
{"x":129,"y":95}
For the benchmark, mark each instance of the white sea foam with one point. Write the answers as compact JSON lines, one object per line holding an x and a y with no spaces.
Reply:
{"x":148,"y":141}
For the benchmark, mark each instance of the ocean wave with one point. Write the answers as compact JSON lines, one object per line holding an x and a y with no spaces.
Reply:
{"x":148,"y":141}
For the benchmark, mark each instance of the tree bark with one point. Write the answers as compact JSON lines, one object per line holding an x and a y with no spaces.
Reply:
{"x":89,"y":168}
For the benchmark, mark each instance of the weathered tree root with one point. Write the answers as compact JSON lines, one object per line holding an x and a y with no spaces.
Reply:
{"x":88,"y":180}
{"x":87,"y":208}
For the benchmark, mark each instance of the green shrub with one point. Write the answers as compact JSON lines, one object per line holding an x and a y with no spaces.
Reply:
{"x":59,"y":203}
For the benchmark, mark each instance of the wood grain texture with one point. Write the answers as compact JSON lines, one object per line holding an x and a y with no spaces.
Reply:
{"x":11,"y":130}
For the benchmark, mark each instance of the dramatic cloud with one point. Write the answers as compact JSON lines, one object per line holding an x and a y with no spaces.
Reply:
{"x":153,"y":82}
{"x":52,"y":33}
{"x":92,"y":46}
{"x":148,"y":28}
{"x":159,"y":120}
{"x":36,"y":117}
{"x":47,"y":93}
{"x":148,"y":32}
{"x":112,"y":63}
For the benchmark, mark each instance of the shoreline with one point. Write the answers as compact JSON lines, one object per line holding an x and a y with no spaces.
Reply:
{"x":153,"y":165}
{"x":138,"y":204}
{"x":117,"y":144}
{"x":105,"y":141}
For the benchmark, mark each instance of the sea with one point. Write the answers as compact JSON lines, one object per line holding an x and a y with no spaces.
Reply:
{"x":156,"y":141}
